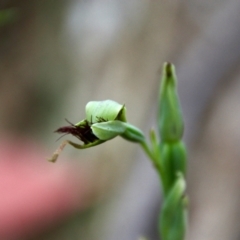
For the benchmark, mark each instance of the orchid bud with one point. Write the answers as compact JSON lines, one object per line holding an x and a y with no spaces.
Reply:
{"x":173,"y":160}
{"x":173,"y":218}
{"x":170,"y":119}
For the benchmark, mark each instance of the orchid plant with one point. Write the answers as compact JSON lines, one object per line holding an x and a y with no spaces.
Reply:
{"x":106,"y":120}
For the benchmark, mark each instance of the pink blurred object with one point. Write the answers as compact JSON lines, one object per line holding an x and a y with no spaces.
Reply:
{"x":33,"y":192}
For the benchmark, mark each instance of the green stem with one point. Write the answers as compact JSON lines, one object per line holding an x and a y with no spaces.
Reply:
{"x":154,"y":156}
{"x":148,"y":151}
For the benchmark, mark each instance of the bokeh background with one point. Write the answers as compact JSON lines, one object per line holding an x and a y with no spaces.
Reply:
{"x":55,"y":56}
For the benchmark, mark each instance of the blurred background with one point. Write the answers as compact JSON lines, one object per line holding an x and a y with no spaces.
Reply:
{"x":55,"y":56}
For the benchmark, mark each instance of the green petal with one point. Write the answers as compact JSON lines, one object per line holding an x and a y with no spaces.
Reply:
{"x":108,"y":130}
{"x":108,"y":110}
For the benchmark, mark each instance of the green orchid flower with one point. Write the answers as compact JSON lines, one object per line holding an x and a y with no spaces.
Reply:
{"x":104,"y":121}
